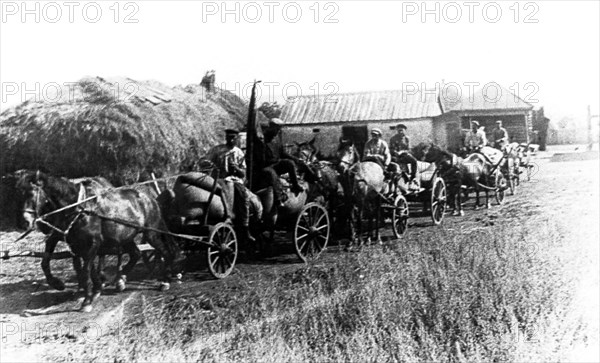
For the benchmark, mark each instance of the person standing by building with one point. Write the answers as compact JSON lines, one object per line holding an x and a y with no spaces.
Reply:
{"x":500,"y":136}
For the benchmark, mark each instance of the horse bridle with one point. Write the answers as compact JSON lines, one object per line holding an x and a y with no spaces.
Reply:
{"x":33,"y":211}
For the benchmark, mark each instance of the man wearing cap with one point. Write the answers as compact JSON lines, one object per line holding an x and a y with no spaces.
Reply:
{"x":399,"y":147}
{"x":475,"y":139}
{"x":278,"y":162}
{"x":500,"y":136}
{"x":378,"y":149}
{"x":229,"y":159}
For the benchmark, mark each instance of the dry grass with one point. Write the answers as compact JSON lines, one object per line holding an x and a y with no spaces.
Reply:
{"x":110,"y":127}
{"x":454,"y":297}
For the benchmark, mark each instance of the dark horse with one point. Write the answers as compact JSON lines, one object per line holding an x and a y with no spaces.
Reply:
{"x":470,"y":172}
{"x":34,"y":203}
{"x":110,"y":222}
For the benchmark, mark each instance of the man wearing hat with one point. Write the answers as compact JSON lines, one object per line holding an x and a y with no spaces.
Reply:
{"x":399,"y":147}
{"x":475,"y":139}
{"x":229,"y":159}
{"x":376,"y":148}
{"x":278,"y":162}
{"x":500,"y":136}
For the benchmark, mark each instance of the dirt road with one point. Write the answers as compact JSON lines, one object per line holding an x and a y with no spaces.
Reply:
{"x":40,"y":323}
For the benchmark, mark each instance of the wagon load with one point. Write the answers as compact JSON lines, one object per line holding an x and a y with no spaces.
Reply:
{"x":116,"y":127}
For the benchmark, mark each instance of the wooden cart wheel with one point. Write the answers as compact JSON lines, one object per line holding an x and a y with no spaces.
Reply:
{"x":224,"y":250}
{"x":400,"y":216}
{"x":438,"y":201}
{"x":311,"y":232}
{"x":500,"y":185}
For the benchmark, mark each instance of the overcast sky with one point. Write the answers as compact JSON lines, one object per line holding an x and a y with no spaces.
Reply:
{"x":548,"y":51}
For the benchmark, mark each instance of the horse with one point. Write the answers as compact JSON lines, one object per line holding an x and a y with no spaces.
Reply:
{"x":457,"y":172}
{"x":513,"y":155}
{"x":326,"y":176}
{"x":346,"y":157}
{"x":363,"y":184}
{"x":35,"y":201}
{"x":109,"y":222}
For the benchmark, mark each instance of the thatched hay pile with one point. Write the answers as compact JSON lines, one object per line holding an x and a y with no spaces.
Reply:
{"x":117,"y":128}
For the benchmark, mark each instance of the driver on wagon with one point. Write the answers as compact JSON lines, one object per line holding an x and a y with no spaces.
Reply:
{"x":278,"y":162}
{"x":476,"y":138}
{"x":229,"y":159}
{"x":376,"y":148}
{"x":400,"y":146}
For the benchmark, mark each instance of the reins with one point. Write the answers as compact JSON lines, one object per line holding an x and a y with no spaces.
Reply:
{"x":64,"y":233}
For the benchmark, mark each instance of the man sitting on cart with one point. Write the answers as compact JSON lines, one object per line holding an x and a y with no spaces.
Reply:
{"x":278,"y":162}
{"x":475,"y":139}
{"x":377,"y":150}
{"x":231,"y":163}
{"x":399,"y":147}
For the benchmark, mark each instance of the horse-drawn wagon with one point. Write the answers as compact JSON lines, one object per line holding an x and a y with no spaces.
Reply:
{"x":401,"y":196}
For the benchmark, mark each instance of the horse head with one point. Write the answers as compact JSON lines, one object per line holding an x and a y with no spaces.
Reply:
{"x":307,"y":151}
{"x":31,"y":196}
{"x":346,"y":158}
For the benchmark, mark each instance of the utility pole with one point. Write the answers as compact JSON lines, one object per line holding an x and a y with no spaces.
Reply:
{"x":589,"y":126}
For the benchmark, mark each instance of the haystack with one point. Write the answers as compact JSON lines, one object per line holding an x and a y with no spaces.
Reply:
{"x":117,"y":128}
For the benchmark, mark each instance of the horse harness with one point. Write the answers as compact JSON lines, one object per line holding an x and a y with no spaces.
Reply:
{"x":81,"y":198}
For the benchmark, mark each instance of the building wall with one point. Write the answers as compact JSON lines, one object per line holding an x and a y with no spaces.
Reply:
{"x":447,"y":131}
{"x":419,"y":130}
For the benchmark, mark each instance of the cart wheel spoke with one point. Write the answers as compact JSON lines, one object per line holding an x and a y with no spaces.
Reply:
{"x":301,"y":248}
{"x":303,"y":228}
{"x":320,"y":219}
{"x":323,"y":226}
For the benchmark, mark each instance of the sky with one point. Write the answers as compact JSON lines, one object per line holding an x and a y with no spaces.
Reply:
{"x":547,"y":51}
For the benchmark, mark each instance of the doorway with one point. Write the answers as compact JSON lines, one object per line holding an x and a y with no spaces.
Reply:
{"x":358,"y":134}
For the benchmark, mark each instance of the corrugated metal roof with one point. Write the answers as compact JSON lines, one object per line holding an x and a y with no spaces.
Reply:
{"x":361,"y":106}
{"x":494,"y":97}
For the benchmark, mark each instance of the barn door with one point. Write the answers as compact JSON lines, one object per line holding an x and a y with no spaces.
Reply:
{"x":358,"y":134}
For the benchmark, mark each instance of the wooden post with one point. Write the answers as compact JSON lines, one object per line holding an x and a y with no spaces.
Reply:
{"x":589,"y":127}
{"x":251,"y":137}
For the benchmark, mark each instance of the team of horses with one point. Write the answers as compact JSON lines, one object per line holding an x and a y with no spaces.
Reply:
{"x":96,"y":219}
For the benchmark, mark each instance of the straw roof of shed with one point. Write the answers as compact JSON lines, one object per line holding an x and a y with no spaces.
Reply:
{"x":117,"y":128}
